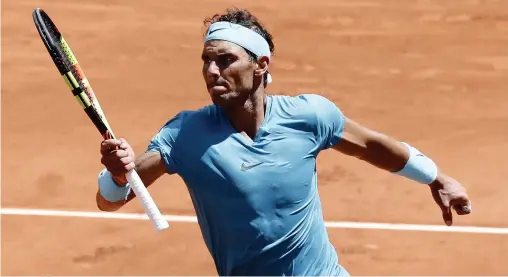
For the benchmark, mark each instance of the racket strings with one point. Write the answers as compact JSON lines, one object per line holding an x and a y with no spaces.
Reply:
{"x":70,"y":70}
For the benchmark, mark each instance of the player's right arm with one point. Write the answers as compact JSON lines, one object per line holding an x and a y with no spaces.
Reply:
{"x":118,"y":158}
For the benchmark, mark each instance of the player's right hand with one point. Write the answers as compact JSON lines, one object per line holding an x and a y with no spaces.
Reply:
{"x":450,"y":194}
{"x":118,"y":158}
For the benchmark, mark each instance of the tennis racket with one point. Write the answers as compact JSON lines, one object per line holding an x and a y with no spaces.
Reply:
{"x":73,"y":75}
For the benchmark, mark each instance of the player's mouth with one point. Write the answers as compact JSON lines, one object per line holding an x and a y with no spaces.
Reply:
{"x":218,"y":88}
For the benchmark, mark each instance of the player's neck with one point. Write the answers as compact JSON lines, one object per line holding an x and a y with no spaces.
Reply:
{"x":250,"y":115}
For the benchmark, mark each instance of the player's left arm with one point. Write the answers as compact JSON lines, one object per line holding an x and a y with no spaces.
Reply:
{"x":343,"y":134}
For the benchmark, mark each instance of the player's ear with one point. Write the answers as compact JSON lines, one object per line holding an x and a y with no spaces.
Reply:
{"x":262,"y":66}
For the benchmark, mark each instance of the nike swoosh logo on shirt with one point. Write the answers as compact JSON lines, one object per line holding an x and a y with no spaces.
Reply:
{"x":246,"y":167}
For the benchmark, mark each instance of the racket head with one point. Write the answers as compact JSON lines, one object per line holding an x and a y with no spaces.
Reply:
{"x":51,"y":37}
{"x":68,"y":66}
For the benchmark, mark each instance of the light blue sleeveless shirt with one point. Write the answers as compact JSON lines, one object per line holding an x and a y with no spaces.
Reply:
{"x":257,"y":200}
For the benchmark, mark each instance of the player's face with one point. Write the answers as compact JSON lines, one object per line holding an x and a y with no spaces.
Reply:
{"x":228,"y":72}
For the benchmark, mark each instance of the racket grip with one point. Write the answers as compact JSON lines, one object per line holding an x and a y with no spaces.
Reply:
{"x":146,"y":201}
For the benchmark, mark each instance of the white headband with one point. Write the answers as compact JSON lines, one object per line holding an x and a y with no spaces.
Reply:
{"x":241,"y":36}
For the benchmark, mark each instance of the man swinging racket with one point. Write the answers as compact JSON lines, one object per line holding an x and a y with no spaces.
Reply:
{"x":249,"y":160}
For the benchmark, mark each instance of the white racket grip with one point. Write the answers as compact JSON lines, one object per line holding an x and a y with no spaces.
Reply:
{"x":146,"y":201}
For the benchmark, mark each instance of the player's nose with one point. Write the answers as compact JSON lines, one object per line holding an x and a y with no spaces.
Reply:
{"x":212,"y":70}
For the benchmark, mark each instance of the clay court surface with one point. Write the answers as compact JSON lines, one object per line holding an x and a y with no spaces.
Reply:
{"x":433,"y":73}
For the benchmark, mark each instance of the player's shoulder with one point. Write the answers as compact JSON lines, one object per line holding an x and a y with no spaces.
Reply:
{"x":314,"y":100}
{"x":203,"y":115}
{"x":192,"y":118}
{"x":304,"y":105}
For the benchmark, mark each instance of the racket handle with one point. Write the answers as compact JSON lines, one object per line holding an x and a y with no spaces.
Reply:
{"x":146,"y":201}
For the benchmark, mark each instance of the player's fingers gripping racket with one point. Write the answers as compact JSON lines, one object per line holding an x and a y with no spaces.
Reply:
{"x":73,"y":75}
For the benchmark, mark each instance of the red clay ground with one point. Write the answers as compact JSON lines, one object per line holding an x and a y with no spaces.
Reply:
{"x":440,"y":65}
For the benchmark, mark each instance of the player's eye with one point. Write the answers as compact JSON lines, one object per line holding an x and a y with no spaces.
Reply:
{"x":225,"y":60}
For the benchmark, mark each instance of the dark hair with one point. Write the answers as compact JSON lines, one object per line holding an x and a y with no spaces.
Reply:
{"x":246,"y":19}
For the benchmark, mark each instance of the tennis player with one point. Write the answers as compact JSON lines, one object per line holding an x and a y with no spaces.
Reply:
{"x":249,"y":160}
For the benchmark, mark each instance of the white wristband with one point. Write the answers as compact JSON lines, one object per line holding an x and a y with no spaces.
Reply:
{"x":109,"y":189}
{"x":418,"y":168}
